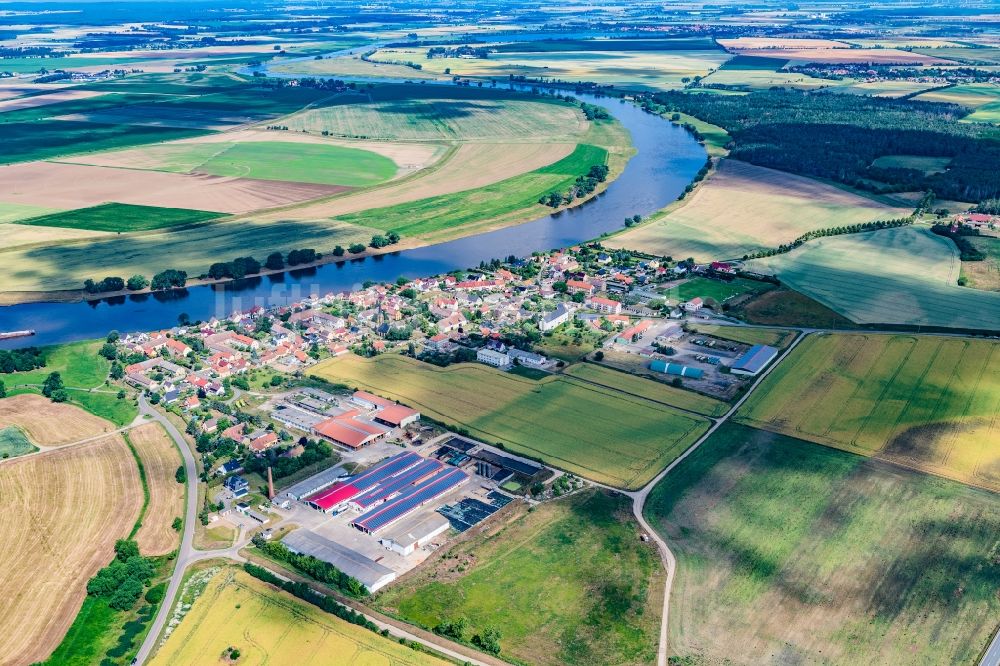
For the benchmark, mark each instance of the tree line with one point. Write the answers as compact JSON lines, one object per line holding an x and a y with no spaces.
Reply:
{"x":582,"y":187}
{"x":832,"y":231}
{"x":21,"y":360}
{"x":313,"y":567}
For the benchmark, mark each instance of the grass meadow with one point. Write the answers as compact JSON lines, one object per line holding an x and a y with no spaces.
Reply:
{"x":984,"y":274}
{"x":717,"y":290}
{"x":904,"y":276}
{"x":748,"y":335}
{"x":743,"y":208}
{"x":928,"y":403}
{"x":603,"y":434}
{"x":122,"y":218}
{"x":14,"y":443}
{"x":81,"y":367}
{"x":799,"y":553}
{"x":268,"y":625}
{"x":567,"y":583}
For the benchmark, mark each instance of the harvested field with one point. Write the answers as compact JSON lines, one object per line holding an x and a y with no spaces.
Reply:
{"x":62,"y":185}
{"x":13,"y":212}
{"x":63,"y":512}
{"x":928,"y":403}
{"x":50,"y":424}
{"x":160,"y":460}
{"x":268,"y":625}
{"x":43,"y":100}
{"x":802,"y":554}
{"x":573,"y":592}
{"x":847,"y":56}
{"x":780,"y":43}
{"x":557,"y":419}
{"x":743,"y":208}
{"x":400,"y":112}
{"x":470,"y":166}
{"x":905,"y":275}
{"x":16,"y":235}
{"x":644,"y":387}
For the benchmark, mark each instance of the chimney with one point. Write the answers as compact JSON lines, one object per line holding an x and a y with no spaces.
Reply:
{"x":270,"y":485}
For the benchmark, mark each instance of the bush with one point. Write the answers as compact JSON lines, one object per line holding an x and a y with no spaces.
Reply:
{"x":137,"y":282}
{"x":356,"y":248}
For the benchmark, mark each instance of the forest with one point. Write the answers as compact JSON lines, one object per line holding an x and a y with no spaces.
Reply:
{"x":839,"y":137}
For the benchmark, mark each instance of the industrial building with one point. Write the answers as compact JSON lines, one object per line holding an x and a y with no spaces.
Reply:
{"x":315,"y":483}
{"x":754,"y":360}
{"x":371,"y":574}
{"x":404,"y":539}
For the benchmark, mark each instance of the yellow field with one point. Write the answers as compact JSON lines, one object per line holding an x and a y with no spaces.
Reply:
{"x":744,"y":208}
{"x":62,"y":512}
{"x":269,"y":626}
{"x":49,"y":423}
{"x":160,"y":459}
{"x":929,"y":403}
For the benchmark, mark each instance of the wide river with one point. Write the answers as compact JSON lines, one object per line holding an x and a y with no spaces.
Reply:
{"x":666,"y":161}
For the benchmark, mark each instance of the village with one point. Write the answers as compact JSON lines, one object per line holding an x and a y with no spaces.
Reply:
{"x":367,"y":484}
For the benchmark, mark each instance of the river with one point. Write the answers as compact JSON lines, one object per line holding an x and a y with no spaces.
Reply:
{"x":666,"y":161}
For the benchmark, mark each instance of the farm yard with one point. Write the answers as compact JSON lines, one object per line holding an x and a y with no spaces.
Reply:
{"x":742,"y":208}
{"x":928,"y":403}
{"x":600,"y":433}
{"x":160,"y":460}
{"x":905,"y":276}
{"x":801,"y":553}
{"x":268,"y":625}
{"x":64,"y":511}
{"x":573,"y":592}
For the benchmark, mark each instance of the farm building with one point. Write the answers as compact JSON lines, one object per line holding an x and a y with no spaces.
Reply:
{"x":676,"y":369}
{"x":387,"y":411}
{"x":350,"y":430}
{"x":754,"y":360}
{"x":315,"y":483}
{"x":371,"y":574}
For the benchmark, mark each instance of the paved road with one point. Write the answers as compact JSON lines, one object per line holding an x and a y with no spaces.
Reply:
{"x":992,"y":656}
{"x":186,"y":554}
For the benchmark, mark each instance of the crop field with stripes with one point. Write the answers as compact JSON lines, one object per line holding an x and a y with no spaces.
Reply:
{"x":927,"y":403}
{"x":598,"y":432}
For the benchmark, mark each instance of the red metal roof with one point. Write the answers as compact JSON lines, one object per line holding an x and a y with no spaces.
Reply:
{"x":334,"y":495}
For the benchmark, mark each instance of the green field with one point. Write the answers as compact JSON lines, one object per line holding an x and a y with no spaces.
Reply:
{"x":484,"y":205}
{"x":799,"y":553}
{"x":301,"y":163}
{"x":894,"y":276}
{"x":717,"y":290}
{"x":436,"y":113}
{"x":81,"y":367}
{"x":930,"y":403}
{"x":567,"y":583}
{"x":747,"y":334}
{"x":605,"y":435}
{"x":14,"y":443}
{"x":982,"y":98}
{"x":122,"y":218}
{"x":925,"y":165}
{"x":647,"y":388}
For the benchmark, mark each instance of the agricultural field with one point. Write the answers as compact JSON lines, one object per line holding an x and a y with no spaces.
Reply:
{"x":485,"y":206}
{"x":748,"y":335}
{"x":927,"y":165}
{"x":14,"y":443}
{"x":632,"y":69}
{"x":984,"y":274}
{"x":268,"y":625}
{"x":786,"y":307}
{"x":756,"y":72}
{"x":983,"y":56}
{"x":798,"y":553}
{"x":50,"y":424}
{"x":122,"y":218}
{"x":408,"y":113}
{"x":828,"y":51}
{"x":646,"y":388}
{"x":573,"y":591}
{"x":64,"y":511}
{"x":13,"y":212}
{"x":905,"y":275}
{"x":559,"y":420}
{"x":887,"y":88}
{"x":928,"y":403}
{"x":982,"y":98}
{"x":160,"y":460}
{"x":743,"y":208}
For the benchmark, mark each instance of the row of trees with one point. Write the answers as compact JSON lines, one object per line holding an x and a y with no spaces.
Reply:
{"x":582,"y":187}
{"x":313,"y":567}
{"x":959,"y":236}
{"x":832,"y":231}
{"x":21,"y":360}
